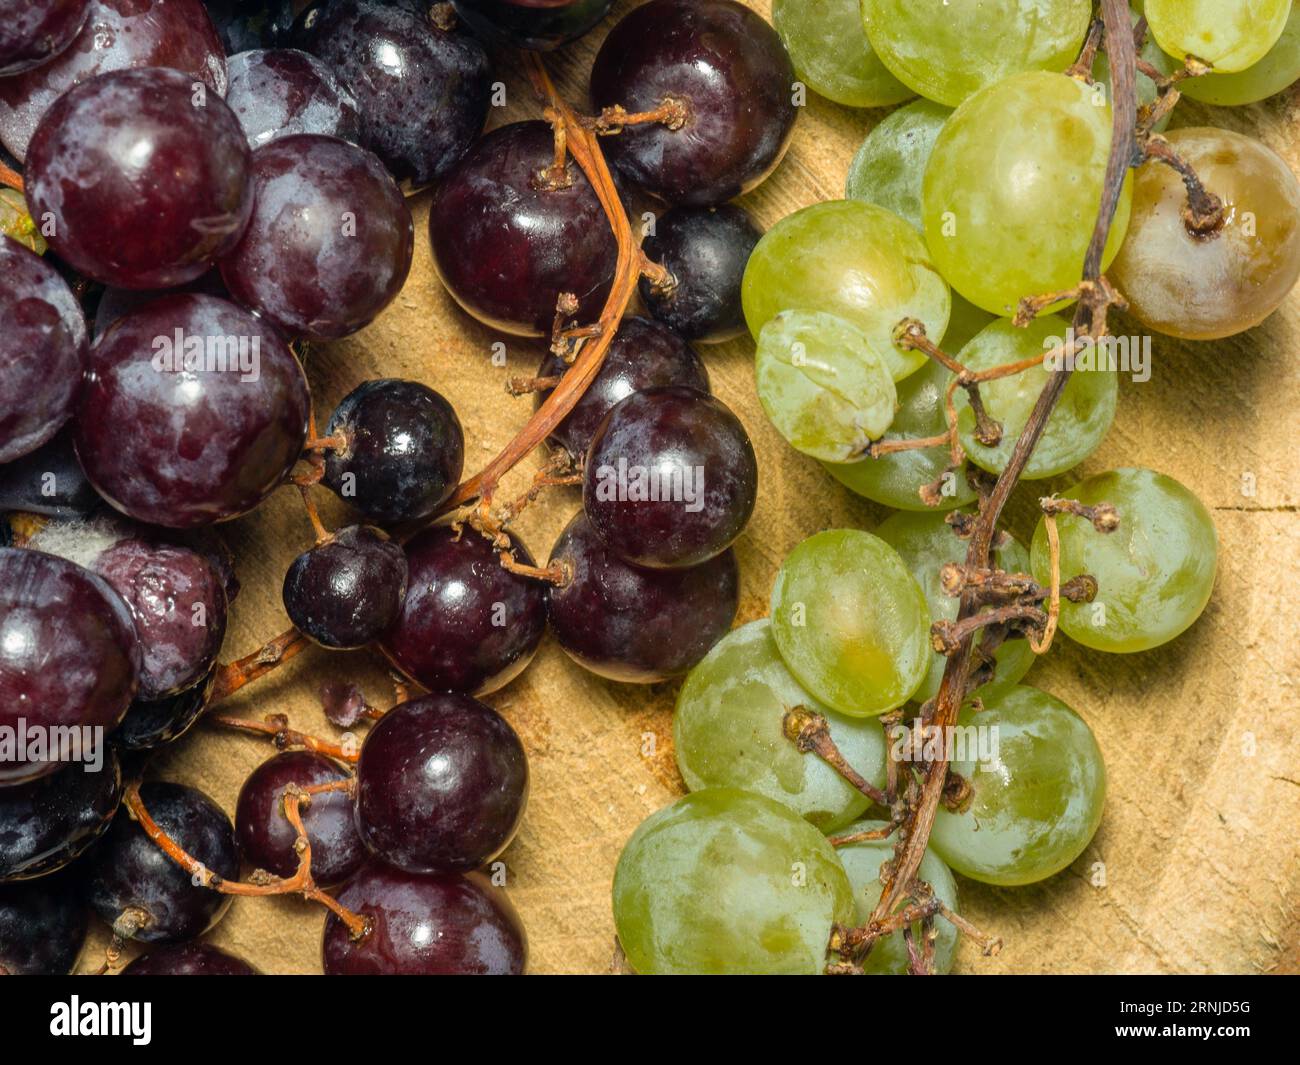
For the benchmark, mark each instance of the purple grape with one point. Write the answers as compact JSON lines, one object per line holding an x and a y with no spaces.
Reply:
{"x":189,"y":959}
{"x":150,"y":724}
{"x":283,"y":91}
{"x":49,"y":481}
{"x":633,"y":624}
{"x":329,"y":242}
{"x":32,"y":32}
{"x":216,"y":438}
{"x":537,"y":25}
{"x":248,"y":24}
{"x":115,"y":303}
{"x":43,"y":926}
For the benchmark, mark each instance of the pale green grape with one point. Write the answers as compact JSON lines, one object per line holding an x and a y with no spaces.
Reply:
{"x":890,"y":165}
{"x":1038,"y":787}
{"x":728,"y":732}
{"x":1277,"y":70}
{"x":1012,"y":188}
{"x":16,"y":222}
{"x":853,"y":260}
{"x":1146,"y":88}
{"x":1154,"y":573}
{"x":823,"y":385}
{"x":862,"y":862}
{"x":926,"y":542}
{"x":851,"y":622}
{"x":831,"y":54}
{"x":727,"y":882}
{"x":1230,"y":35}
{"x":896,"y":479}
{"x":1078,"y":424}
{"x":948,"y":49}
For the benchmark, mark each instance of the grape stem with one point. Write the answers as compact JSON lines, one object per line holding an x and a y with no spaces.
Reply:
{"x":234,"y":675}
{"x":10,"y":178}
{"x":1204,"y":214}
{"x":277,"y":727}
{"x":811,"y":733}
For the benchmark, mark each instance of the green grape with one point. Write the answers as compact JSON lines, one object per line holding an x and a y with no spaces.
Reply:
{"x":724,"y":882}
{"x":890,"y":165}
{"x":948,"y":49}
{"x":1277,"y":70}
{"x":862,"y":862}
{"x":964,"y":322}
{"x":16,"y":221}
{"x":831,"y":54}
{"x":1230,"y":35}
{"x":925,"y":542}
{"x":1078,"y":424}
{"x":823,"y":385}
{"x":1012,"y":187}
{"x":728,"y":732}
{"x":1038,"y":785}
{"x":1146,"y":88}
{"x":850,"y":259}
{"x":1154,"y":573}
{"x":896,"y":479}
{"x":851,"y":622}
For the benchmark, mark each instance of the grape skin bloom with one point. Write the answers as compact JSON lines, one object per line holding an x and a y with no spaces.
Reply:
{"x":831,"y":53}
{"x":890,"y":166}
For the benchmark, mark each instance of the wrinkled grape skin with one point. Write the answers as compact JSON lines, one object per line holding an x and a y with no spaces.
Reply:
{"x":68,"y":651}
{"x":1205,"y":288}
{"x":1036,"y":807}
{"x":538,"y":25}
{"x":633,"y":624}
{"x":830,"y":51}
{"x":215,"y":445}
{"x":704,"y":887}
{"x":128,"y":870}
{"x":329,"y":242}
{"x":46,"y":823}
{"x":467,"y":623}
{"x":42,"y":350}
{"x":48,"y":481}
{"x":92,"y":172}
{"x":149,"y":725}
{"x":1155,"y":573}
{"x":1275,"y":72}
{"x":925,"y":542}
{"x":442,"y":783}
{"x":671,"y":430}
{"x":118,"y":34}
{"x":728,"y":732}
{"x":851,"y":622}
{"x":890,"y":166}
{"x":35,"y":31}
{"x":642,"y":355}
{"x":1079,"y":422}
{"x":1012,"y":188}
{"x":279,"y":92}
{"x":42,"y":927}
{"x":425,"y":926}
{"x":266,"y":838}
{"x":733,"y":73}
{"x":1231,"y":36}
{"x":854,"y":260}
{"x":947,"y":51}
{"x":423,"y":91}
{"x":862,"y":862}
{"x":189,"y":959}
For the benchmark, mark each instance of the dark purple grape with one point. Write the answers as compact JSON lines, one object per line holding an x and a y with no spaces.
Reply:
{"x":344,"y":703}
{"x":283,"y":91}
{"x":538,"y":25}
{"x":643,"y":354}
{"x":189,"y":959}
{"x":670,"y":479}
{"x":442,"y":782}
{"x":32,"y":32}
{"x":507,"y":241}
{"x":115,"y":303}
{"x":467,"y":624}
{"x":706,"y":250}
{"x":248,"y":24}
{"x":46,"y":823}
{"x":403,"y":450}
{"x":117,"y":34}
{"x":329,"y":242}
{"x":68,"y":656}
{"x":266,"y":838}
{"x":49,"y":481}
{"x":423,"y":84}
{"x":150,"y":724}
{"x":348,"y":591}
{"x":131,"y":877}
{"x":425,"y":926}
{"x":93,"y":173}
{"x":730,"y":70}
{"x":43,"y":926}
{"x":633,"y":624}
{"x":217,"y":424}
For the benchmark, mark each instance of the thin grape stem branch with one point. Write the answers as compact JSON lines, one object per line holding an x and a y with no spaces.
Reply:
{"x":811,"y":733}
{"x":283,"y":737}
{"x":275,"y":652}
{"x":10,"y":178}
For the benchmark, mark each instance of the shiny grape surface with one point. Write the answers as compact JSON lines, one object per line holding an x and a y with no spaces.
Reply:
{"x":26,"y":485}
{"x":281,"y":91}
{"x":1231,"y":35}
{"x":727,"y":882}
{"x":728,"y":733}
{"x":823,"y":384}
{"x":1154,"y":573}
{"x":890,"y":166}
{"x":1203,"y":288}
{"x":538,"y":25}
{"x":948,"y":49}
{"x":854,"y":260}
{"x":831,"y":53}
{"x":43,"y":926}
{"x":1036,"y":803}
{"x":153,"y":723}
{"x":851,"y":622}
{"x":189,"y":959}
{"x":35,"y":31}
{"x":1279,"y":69}
{"x":1012,"y":188}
